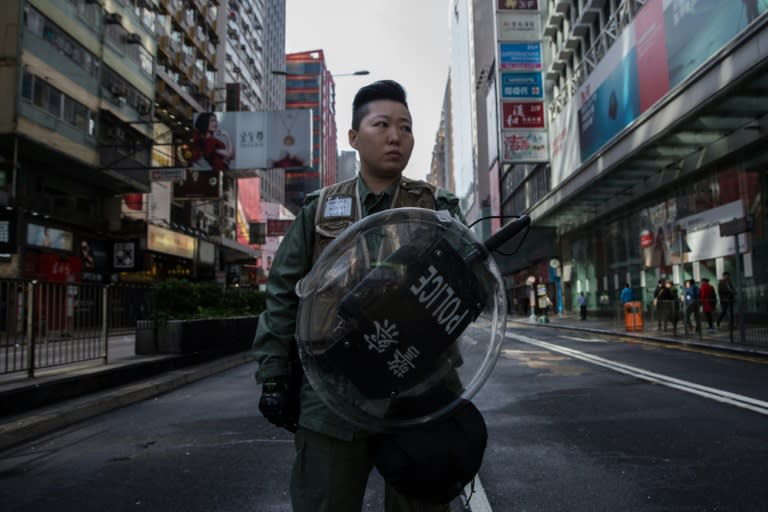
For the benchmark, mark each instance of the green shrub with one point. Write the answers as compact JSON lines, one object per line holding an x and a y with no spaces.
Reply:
{"x":181,"y":299}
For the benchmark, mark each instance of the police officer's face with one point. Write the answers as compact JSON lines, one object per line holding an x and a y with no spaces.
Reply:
{"x":384,"y":140}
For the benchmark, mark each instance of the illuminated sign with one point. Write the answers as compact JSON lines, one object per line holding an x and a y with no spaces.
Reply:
{"x":170,"y":242}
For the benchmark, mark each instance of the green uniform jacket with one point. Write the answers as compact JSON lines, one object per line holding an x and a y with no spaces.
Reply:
{"x":277,"y":324}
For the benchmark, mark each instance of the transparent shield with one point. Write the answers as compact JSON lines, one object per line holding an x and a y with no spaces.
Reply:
{"x":401,"y":318}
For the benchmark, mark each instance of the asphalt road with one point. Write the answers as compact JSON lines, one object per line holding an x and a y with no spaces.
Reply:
{"x":577,"y":422}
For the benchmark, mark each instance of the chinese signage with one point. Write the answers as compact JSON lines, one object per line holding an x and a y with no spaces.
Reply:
{"x":518,"y":5}
{"x":525,"y":146}
{"x":518,"y":114}
{"x":520,"y":56}
{"x":521,"y":86}
{"x":519,"y":27}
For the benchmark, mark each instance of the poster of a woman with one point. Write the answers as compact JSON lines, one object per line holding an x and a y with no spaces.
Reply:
{"x":211,"y":147}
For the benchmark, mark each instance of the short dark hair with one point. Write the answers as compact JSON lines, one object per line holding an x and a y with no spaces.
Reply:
{"x":201,"y":123}
{"x":380,"y":90}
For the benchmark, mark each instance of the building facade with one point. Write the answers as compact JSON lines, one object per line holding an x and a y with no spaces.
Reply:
{"x":309,"y":84}
{"x":101,"y":100}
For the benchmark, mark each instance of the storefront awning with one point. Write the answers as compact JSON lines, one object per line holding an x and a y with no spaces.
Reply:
{"x":233,"y":252}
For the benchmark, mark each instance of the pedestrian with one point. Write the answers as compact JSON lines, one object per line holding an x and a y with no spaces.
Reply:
{"x":727,"y":294}
{"x":582,"y":301}
{"x":691,"y":300}
{"x":333,"y":456}
{"x":708,"y":301}
{"x":656,"y":292}
{"x":626,"y":294}
{"x":668,"y":305}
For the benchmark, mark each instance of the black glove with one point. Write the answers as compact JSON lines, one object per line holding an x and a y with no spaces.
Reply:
{"x":279,"y":403}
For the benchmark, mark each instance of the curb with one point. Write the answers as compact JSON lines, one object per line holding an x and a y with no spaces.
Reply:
{"x":741,"y":349}
{"x":63,"y":414}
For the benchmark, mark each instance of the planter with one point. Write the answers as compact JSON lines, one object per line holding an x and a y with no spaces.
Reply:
{"x":213,"y":335}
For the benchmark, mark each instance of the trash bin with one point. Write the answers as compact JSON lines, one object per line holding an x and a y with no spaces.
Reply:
{"x":633,"y":316}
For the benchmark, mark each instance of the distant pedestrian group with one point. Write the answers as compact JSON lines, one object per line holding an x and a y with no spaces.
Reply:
{"x":694,"y":300}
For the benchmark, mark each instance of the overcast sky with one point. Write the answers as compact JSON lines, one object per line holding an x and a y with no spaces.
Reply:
{"x":402,"y":40}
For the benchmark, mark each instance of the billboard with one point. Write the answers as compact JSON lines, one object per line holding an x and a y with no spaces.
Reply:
{"x":223,"y":141}
{"x":46,"y":236}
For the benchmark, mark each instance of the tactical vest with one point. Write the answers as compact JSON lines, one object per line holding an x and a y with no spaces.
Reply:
{"x":339,"y":206}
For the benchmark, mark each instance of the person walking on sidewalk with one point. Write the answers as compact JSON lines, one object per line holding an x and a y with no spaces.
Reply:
{"x":626,"y":294}
{"x":691,"y":298}
{"x":708,"y":301}
{"x":334,"y":457}
{"x":656,"y":293}
{"x":727,"y":294}
{"x":668,"y":305}
{"x":582,"y":301}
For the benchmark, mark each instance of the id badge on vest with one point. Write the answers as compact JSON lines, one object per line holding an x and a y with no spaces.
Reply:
{"x":338,"y":206}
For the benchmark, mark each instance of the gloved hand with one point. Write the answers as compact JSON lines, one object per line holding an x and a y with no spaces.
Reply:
{"x":277,"y":403}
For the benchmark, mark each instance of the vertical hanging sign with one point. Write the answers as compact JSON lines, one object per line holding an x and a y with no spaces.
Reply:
{"x":522,"y":115}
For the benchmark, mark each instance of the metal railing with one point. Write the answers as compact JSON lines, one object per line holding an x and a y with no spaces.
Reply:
{"x":46,"y":324}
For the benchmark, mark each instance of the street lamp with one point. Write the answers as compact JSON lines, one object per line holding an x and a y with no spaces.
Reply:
{"x":361,"y":72}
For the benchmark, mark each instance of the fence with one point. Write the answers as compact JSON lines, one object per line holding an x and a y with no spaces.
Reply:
{"x":43,"y":325}
{"x":673,"y":317}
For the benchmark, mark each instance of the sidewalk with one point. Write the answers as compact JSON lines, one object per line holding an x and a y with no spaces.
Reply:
{"x":59,"y":396}
{"x":719,"y":339}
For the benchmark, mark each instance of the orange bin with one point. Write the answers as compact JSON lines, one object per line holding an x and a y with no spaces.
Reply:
{"x":633,"y":316}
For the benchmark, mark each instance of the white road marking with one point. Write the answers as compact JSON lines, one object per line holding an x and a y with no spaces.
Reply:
{"x":585,"y":340}
{"x":718,"y":395}
{"x":478,"y":502}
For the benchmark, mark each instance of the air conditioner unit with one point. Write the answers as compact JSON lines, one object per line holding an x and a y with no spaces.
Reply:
{"x":119,"y":90}
{"x":113,"y":18}
{"x":133,"y":39}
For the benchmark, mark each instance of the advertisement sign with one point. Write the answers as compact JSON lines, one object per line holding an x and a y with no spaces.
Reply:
{"x":45,"y":236}
{"x":170,"y":242}
{"x":7,"y":231}
{"x":176,"y":174}
{"x":58,"y":268}
{"x":518,"y":27}
{"x":518,"y":114}
{"x":521,"y":86}
{"x":564,"y":134}
{"x":124,"y":255}
{"x":520,"y":56}
{"x":94,"y":257}
{"x":223,"y":141}
{"x":206,"y":252}
{"x":528,"y":5}
{"x":198,"y":184}
{"x":278,"y":227}
{"x":524,"y":146}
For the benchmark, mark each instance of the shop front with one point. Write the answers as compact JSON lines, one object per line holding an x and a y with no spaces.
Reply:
{"x":677,"y":234}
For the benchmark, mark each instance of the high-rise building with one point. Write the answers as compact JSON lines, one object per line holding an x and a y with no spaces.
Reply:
{"x":631,"y":131}
{"x":76,"y":132}
{"x":309,"y":84}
